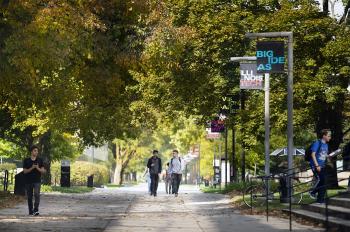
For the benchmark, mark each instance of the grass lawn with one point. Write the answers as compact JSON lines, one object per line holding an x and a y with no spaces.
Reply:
{"x":275,"y":207}
{"x":73,"y":189}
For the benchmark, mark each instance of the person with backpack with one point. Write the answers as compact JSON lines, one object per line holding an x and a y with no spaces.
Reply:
{"x":176,"y":167}
{"x":154,"y":165}
{"x":317,"y":154}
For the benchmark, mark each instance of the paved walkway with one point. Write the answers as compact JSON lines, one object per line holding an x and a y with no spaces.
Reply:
{"x":131,"y":209}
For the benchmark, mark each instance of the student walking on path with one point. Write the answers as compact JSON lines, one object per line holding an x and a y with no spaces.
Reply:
{"x":319,"y":152}
{"x":33,"y":169}
{"x":155,"y":168}
{"x":176,"y":167}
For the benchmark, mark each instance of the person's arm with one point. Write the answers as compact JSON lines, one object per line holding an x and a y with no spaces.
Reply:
{"x":40,"y":168}
{"x":27,"y":169}
{"x":313,"y":156}
{"x":149,"y":164}
{"x":315,"y":148}
{"x":160,"y":165}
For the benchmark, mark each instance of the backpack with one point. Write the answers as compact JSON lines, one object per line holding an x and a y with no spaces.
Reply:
{"x":308,"y":151}
{"x":171,"y":161}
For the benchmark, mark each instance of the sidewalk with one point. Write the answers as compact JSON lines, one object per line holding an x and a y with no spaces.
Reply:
{"x":131,"y":209}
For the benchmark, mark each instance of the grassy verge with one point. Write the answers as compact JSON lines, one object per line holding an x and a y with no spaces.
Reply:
{"x":73,"y":189}
{"x":113,"y":185}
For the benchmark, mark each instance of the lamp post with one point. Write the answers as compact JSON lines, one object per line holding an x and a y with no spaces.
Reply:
{"x":239,"y":59}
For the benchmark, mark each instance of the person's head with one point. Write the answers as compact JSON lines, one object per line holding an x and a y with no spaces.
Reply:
{"x":34,"y":150}
{"x":155,"y":152}
{"x":326,"y":135}
{"x":175,"y":153}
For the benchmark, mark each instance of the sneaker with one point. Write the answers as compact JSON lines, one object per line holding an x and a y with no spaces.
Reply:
{"x":312,"y":195}
{"x":176,"y":194}
{"x":155,"y":194}
{"x":36,"y":213}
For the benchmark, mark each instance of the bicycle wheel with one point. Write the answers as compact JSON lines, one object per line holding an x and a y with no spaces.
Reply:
{"x":255,"y":195}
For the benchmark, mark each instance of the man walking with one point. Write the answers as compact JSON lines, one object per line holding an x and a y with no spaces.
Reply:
{"x":33,"y":169}
{"x":319,"y":152}
{"x":176,"y":166}
{"x":155,"y":168}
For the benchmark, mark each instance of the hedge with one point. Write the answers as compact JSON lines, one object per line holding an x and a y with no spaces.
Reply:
{"x":7,"y":166}
{"x":79,"y":171}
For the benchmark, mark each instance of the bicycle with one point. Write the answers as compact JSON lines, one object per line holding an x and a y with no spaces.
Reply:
{"x":255,"y":194}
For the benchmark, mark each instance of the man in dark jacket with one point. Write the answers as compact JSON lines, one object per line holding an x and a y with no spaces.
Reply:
{"x":155,"y":167}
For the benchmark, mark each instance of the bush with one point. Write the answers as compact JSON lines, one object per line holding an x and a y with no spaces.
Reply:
{"x":7,"y":166}
{"x":80,"y":170}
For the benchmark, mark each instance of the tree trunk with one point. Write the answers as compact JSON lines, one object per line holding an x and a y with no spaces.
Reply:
{"x":325,"y":7}
{"x":345,"y":14}
{"x":122,"y":157}
{"x":118,"y":175}
{"x":45,"y":146}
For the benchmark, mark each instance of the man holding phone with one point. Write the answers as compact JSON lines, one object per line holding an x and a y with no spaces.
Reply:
{"x":33,"y":169}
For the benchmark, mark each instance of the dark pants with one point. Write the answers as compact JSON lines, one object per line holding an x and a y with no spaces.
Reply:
{"x":30,"y":188}
{"x":319,"y":187}
{"x":176,"y":180}
{"x":154,"y":183}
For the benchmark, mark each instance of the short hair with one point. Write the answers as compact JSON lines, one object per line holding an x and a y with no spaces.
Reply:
{"x":325,"y":132}
{"x":33,"y":147}
{"x":155,"y":152}
{"x":175,"y":151}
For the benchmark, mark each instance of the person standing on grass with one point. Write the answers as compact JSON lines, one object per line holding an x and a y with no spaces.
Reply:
{"x":33,"y":169}
{"x":155,"y":168}
{"x":176,"y":167}
{"x":319,"y":152}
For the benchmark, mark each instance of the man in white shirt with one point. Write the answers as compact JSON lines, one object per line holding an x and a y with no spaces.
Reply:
{"x":176,"y":166}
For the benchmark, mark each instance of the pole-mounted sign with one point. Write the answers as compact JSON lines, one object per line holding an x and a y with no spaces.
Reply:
{"x":250,"y":79}
{"x":270,"y":56}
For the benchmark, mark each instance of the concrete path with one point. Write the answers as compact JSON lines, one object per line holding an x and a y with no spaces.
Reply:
{"x":131,"y":209}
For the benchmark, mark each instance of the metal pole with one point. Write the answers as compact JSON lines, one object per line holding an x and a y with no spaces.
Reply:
{"x":234,"y":173}
{"x":267,"y":130}
{"x":242,"y":132}
{"x":226,"y":156}
{"x":220,"y":156}
{"x":290,"y":104}
{"x":199,"y":164}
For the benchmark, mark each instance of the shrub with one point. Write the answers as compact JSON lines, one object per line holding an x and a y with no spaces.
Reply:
{"x":7,"y":166}
{"x":80,"y":170}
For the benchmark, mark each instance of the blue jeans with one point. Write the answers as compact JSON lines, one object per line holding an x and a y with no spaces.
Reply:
{"x":319,"y":187}
{"x":29,"y":189}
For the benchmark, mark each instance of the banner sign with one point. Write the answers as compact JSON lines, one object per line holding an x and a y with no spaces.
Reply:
{"x":270,"y":56}
{"x":250,"y":79}
{"x":212,"y":135}
{"x":217,"y":126}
